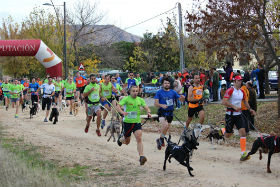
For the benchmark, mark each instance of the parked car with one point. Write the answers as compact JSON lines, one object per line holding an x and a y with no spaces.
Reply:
{"x":273,"y":80}
{"x":223,"y":73}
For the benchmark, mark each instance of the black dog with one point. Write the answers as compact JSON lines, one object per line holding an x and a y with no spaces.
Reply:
{"x":215,"y":134}
{"x":23,"y":105}
{"x":268,"y":144}
{"x":33,"y":109}
{"x":181,"y":153}
{"x":54,"y":114}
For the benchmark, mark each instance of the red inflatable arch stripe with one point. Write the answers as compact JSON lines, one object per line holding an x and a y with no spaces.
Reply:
{"x":36,"y":48}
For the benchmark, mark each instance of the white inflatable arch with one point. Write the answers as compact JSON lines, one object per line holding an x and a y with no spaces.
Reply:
{"x":36,"y":48}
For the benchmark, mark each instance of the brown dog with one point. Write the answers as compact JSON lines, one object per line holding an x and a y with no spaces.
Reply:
{"x":76,"y":108}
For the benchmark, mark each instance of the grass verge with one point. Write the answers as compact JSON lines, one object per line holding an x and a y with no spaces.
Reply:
{"x":266,"y":119}
{"x":29,"y":155}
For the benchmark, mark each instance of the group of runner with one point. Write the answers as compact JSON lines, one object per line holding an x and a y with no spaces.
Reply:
{"x":97,"y":94}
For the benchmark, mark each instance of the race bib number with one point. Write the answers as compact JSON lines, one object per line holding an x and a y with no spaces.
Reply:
{"x":32,"y":89}
{"x":94,"y":96}
{"x":79,"y":81}
{"x":132,"y":115}
{"x":169,"y":102}
{"x":199,"y":92}
{"x":106,"y":93}
{"x":69,"y":90}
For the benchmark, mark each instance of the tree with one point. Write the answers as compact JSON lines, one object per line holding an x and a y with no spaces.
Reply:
{"x":91,"y":66}
{"x":38,"y":25}
{"x":234,"y":26}
{"x":137,"y":62}
{"x":162,"y":50}
{"x":82,"y":21}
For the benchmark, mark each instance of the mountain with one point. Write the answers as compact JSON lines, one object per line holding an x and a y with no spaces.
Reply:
{"x":108,"y":34}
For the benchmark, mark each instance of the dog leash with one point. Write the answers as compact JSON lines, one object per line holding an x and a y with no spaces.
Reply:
{"x":179,"y":120}
{"x":114,"y":107}
{"x":251,"y":123}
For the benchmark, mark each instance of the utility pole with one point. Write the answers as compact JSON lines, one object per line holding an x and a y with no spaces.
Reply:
{"x":64,"y":47}
{"x":64,"y":38}
{"x":182,"y":64}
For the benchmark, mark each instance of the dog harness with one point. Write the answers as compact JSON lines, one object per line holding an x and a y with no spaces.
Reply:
{"x":276,"y":150}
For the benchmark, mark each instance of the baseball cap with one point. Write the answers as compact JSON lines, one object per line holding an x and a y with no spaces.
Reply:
{"x":238,"y":77}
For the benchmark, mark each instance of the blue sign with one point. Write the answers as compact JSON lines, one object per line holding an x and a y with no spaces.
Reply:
{"x":151,"y":88}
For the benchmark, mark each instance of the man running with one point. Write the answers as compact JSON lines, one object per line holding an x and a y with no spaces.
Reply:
{"x":132,"y":121}
{"x":92,"y":92}
{"x":16,"y":94}
{"x":6,"y":91}
{"x":80,"y":86}
{"x":232,"y":100}
{"x":34,"y":88}
{"x":58,"y":92}
{"x":130,"y":81}
{"x":70,"y":92}
{"x":48,"y":93}
{"x":106,"y":94}
{"x":164,"y":100}
{"x":195,"y":99}
{"x":26,"y":86}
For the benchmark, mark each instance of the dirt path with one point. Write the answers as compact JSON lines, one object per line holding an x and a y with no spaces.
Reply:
{"x":214,"y":165}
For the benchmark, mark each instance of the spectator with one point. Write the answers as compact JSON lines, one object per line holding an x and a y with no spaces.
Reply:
{"x":253,"y":103}
{"x":246,"y":77}
{"x":178,"y":89}
{"x":261,"y":78}
{"x":202,"y":76}
{"x":215,"y":85}
{"x":228,"y":70}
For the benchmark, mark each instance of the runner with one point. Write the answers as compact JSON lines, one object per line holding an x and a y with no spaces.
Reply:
{"x":132,"y":121}
{"x":25,"y":90}
{"x":48,"y":93}
{"x":58,"y":92}
{"x":195,"y":99}
{"x":164,"y":100}
{"x":6,"y":91}
{"x":130,"y":81}
{"x":119,"y":80}
{"x":232,"y":100}
{"x":70,"y":92}
{"x":34,"y":89}
{"x":106,"y":94}
{"x":16,"y":94}
{"x":139,"y":82}
{"x":92,"y":93}
{"x":117,"y":86}
{"x":80,"y":85}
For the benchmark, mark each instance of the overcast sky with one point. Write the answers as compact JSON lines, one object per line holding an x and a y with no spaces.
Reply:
{"x":122,"y":13}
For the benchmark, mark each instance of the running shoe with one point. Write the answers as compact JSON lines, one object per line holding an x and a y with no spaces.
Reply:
{"x":162,"y":142}
{"x":6,"y":108}
{"x":120,"y":139}
{"x":244,"y":157}
{"x":86,"y":129}
{"x":98,"y":132}
{"x":45,"y":120}
{"x":71,"y":113}
{"x":142,"y":160}
{"x":103,"y":123}
{"x":16,"y":116}
{"x":159,"y":144}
